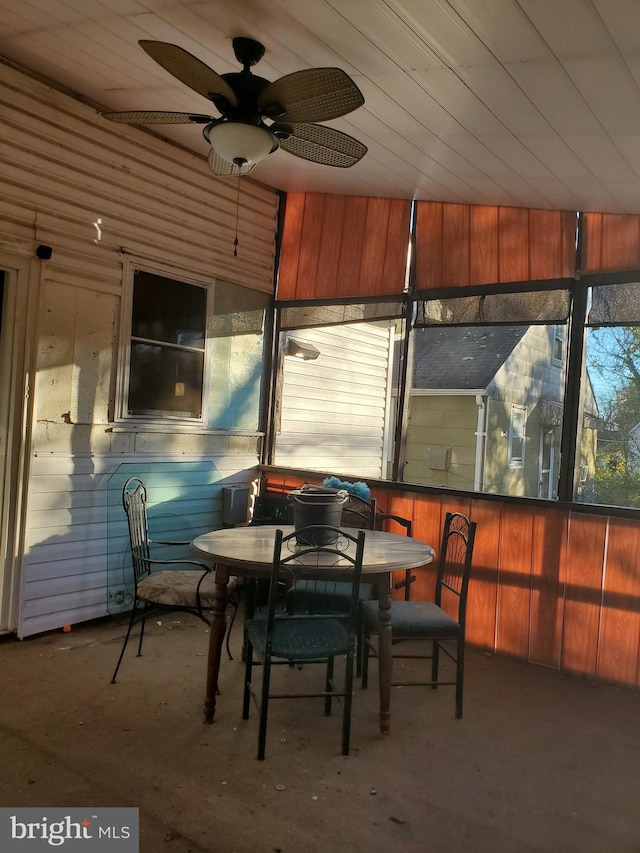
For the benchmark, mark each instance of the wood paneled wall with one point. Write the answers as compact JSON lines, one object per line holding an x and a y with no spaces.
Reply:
{"x":336,"y":246}
{"x":458,"y":245}
{"x":551,"y":586}
{"x":611,"y":242}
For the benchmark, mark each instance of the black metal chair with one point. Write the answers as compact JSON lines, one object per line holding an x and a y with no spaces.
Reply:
{"x":361,"y":514}
{"x":293,"y":635}
{"x":422,"y":620}
{"x":159,"y":585}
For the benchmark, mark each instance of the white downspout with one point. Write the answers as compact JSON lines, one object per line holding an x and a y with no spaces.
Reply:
{"x":481,"y":434}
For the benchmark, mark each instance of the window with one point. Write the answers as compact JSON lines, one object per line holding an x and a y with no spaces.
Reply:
{"x":497,"y":397}
{"x":167,"y":356}
{"x":609,"y":446}
{"x":517,"y":435}
{"x":192,"y":353}
{"x":558,"y":345}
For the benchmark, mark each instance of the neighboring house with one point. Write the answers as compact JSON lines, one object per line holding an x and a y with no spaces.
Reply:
{"x":486,"y":409}
{"x":334,"y":410}
{"x":131,"y":340}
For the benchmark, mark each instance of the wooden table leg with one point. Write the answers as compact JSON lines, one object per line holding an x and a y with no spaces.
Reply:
{"x":216,"y":639}
{"x":384,"y":652}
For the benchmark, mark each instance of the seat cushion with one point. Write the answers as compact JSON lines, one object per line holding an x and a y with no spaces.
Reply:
{"x":300,"y":637}
{"x":178,"y":588}
{"x":413,"y":619}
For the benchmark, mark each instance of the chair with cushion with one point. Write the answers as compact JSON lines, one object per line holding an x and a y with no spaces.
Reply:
{"x":163,"y":585}
{"x":443,"y":622}
{"x":293,"y":635}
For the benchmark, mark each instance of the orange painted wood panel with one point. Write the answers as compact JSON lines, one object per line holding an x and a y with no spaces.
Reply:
{"x":290,"y":246}
{"x":514,"y":581}
{"x":331,"y":244}
{"x":429,"y":244}
{"x":513,"y":249}
{"x":353,"y":238}
{"x":545,"y":235}
{"x":611,"y":242}
{"x":456,"y":229}
{"x":458,"y":245}
{"x":569,"y":249}
{"x":483,"y":242}
{"x":539,"y":586}
{"x":547,"y":587}
{"x":395,"y":257}
{"x":310,"y":241}
{"x":592,"y":242}
{"x":335,"y":246}
{"x":619,"y":242}
{"x":583,"y":570}
{"x":427,"y":526}
{"x":483,"y":585}
{"x":620,"y":622}
{"x":374,"y":249}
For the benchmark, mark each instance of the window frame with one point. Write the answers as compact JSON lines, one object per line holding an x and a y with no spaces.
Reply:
{"x":121,"y":416}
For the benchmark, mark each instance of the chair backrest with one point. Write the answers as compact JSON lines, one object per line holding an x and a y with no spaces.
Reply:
{"x":397,"y":524}
{"x":134,"y":501}
{"x":454,"y":561}
{"x":358,"y":512}
{"x":340,"y":560}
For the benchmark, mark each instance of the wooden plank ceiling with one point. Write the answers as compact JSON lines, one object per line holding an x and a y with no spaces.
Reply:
{"x":526,"y":103}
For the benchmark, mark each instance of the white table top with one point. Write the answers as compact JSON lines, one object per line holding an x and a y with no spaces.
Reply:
{"x":251,"y":549}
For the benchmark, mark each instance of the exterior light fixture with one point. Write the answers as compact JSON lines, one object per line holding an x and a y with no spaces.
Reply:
{"x":300,"y":349}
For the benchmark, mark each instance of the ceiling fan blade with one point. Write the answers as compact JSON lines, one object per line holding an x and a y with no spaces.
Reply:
{"x":189,"y":70}
{"x":157,"y":117}
{"x":320,"y":144}
{"x":225,"y":169}
{"x":315,"y":94}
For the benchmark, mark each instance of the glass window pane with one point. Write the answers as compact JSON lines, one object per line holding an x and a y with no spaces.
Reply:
{"x":165,"y":381}
{"x":615,"y":303}
{"x":237,"y":341}
{"x":476,"y":394}
{"x":335,"y":406}
{"x":302,"y":316}
{"x":609,"y":463}
{"x":169,"y":311}
{"x":541,"y":306}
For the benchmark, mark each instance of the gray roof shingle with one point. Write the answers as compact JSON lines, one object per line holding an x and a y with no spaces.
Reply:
{"x":459,"y":357}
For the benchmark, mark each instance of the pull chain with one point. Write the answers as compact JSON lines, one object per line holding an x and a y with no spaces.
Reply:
{"x":235,"y":242}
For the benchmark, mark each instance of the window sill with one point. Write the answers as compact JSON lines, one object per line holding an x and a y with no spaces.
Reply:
{"x":182,"y":428}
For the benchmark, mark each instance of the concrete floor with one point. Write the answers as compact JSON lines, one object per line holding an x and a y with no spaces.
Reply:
{"x":539,"y":762}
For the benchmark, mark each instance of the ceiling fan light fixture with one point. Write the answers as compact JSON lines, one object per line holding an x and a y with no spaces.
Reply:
{"x":239,"y":143}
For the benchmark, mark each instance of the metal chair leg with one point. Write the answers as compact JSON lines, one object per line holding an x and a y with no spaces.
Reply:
{"x":264,"y":710}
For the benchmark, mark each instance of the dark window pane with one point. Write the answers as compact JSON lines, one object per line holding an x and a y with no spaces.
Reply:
{"x":167,"y":310}
{"x":615,"y":303}
{"x":545,"y":306}
{"x":165,"y":381}
{"x":305,"y":316}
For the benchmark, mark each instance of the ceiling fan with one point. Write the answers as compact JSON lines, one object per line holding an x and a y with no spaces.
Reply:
{"x":258,"y":117}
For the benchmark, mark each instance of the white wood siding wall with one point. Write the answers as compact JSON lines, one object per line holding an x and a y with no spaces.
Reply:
{"x":333,"y":410}
{"x":96,"y":193}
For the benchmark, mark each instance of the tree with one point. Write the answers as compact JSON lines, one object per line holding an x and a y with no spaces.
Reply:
{"x":614,"y":362}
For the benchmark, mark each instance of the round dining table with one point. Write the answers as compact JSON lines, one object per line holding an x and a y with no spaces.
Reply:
{"x":248,"y":552}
